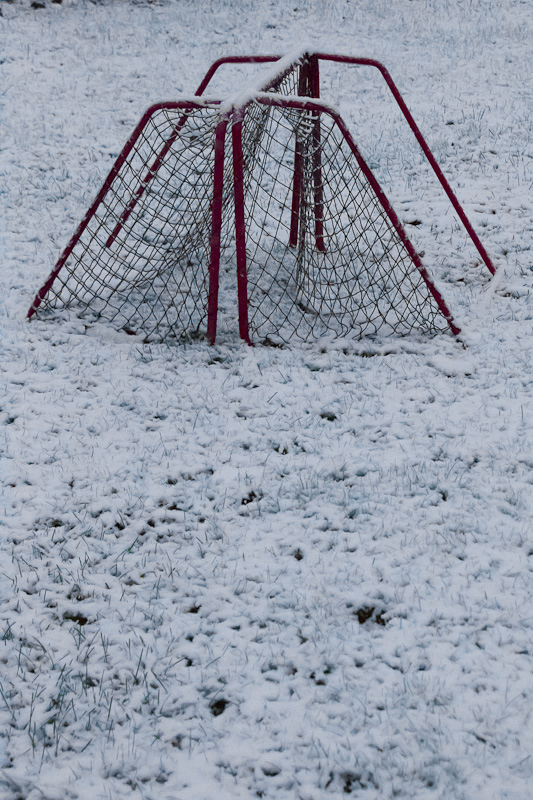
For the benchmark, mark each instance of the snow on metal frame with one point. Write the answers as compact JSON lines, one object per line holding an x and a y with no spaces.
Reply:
{"x":270,"y":82}
{"x":284,"y":64}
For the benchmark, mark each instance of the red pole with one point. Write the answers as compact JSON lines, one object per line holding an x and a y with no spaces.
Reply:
{"x":216,"y":229}
{"x":318,"y":189}
{"x":240,"y":226}
{"x":231,"y":60}
{"x":297,"y":182}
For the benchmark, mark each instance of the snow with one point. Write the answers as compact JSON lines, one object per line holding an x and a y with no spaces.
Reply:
{"x":253,"y":572}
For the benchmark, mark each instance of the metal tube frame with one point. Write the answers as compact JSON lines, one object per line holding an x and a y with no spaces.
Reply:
{"x":309,"y":85}
{"x":216,"y":229}
{"x":371,"y":62}
{"x":186,"y":105}
{"x":299,"y":165}
{"x":240,"y":225}
{"x":318,"y":192}
{"x":318,"y":107}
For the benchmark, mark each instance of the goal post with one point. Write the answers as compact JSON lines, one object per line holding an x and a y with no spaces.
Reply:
{"x":269,"y":179}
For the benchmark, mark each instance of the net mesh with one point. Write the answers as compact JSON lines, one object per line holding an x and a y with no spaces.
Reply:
{"x":321,"y":252}
{"x":347,"y":272}
{"x":293,"y":82}
{"x":142,"y":262}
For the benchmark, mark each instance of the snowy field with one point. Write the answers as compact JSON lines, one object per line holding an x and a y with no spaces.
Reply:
{"x":290,"y":574}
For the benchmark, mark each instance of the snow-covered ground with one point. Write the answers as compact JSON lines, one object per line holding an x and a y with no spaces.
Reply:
{"x":282,"y":573}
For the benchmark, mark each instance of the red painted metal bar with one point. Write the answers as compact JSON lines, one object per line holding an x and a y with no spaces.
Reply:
{"x":318,"y":189}
{"x":296,"y":193}
{"x":231,"y":60}
{"x":216,"y":229}
{"x":126,"y":150}
{"x":160,"y":157}
{"x":152,"y":172}
{"x":370,"y":62}
{"x":297,"y":180}
{"x":314,"y":77}
{"x":240,"y":226}
{"x":321,"y":108}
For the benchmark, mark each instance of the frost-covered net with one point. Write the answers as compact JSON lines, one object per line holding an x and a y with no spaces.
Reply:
{"x":322,"y":253}
{"x":142,"y":262}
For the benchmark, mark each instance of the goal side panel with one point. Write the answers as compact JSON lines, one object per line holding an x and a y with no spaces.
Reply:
{"x":141,"y":256}
{"x":351,"y":270}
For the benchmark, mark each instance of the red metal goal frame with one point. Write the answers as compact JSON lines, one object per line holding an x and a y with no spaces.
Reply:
{"x":312,"y":61}
{"x":316,"y":108}
{"x":307,"y":101}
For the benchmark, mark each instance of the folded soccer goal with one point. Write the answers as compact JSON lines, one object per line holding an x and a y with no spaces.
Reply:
{"x":270,"y":181}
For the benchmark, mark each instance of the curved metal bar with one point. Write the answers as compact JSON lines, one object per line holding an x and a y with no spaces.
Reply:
{"x":231,"y":60}
{"x":370,"y":62}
